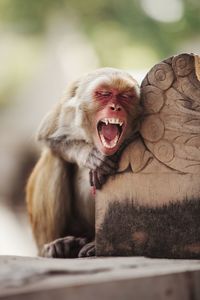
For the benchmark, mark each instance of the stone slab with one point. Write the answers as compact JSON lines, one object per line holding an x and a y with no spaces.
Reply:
{"x":99,"y":278}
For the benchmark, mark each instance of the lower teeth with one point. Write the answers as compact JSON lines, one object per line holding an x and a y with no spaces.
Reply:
{"x":112,"y":143}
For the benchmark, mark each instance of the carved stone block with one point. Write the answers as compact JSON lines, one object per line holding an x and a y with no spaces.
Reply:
{"x":152,"y":206}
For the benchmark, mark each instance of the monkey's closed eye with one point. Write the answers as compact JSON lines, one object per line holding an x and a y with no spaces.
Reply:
{"x":103,"y":93}
{"x":126,"y":96}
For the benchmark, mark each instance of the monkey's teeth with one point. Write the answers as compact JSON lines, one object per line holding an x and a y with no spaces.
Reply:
{"x":112,"y":143}
{"x":112,"y":121}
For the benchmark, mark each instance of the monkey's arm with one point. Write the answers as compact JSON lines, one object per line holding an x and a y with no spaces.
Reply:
{"x":86,"y":155}
{"x":83,"y":154}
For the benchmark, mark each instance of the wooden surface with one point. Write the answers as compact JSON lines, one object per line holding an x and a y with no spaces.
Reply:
{"x":134,"y":278}
{"x":152,"y":206}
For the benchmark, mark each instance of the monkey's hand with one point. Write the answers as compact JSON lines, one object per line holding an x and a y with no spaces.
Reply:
{"x":67,"y":247}
{"x":101,"y":167}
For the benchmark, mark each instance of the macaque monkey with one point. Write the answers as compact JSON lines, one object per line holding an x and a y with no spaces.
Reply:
{"x":83,"y":137}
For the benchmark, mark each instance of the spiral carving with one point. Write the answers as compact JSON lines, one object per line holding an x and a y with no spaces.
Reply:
{"x":183,"y":64}
{"x":152,"y":128}
{"x":161,"y":76}
{"x":164,"y":151}
{"x":152,"y":99}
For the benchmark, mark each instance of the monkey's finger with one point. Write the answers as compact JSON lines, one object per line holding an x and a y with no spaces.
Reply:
{"x":72,"y":246}
{"x":91,"y":178}
{"x":107,"y":166}
{"x":101,"y":177}
{"x":59,"y":249}
{"x":96,"y":182}
{"x":91,"y":251}
{"x":98,"y":179}
{"x":87,"y":250}
{"x":48,"y":251}
{"x":74,"y":241}
{"x":78,"y":243}
{"x":107,"y":170}
{"x":101,"y":159}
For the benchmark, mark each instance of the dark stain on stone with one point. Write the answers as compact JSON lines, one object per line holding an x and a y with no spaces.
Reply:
{"x":169,"y":292}
{"x":170,"y":231}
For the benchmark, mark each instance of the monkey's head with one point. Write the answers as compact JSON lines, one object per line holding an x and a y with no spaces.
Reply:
{"x":114,"y":99}
{"x":102,"y":107}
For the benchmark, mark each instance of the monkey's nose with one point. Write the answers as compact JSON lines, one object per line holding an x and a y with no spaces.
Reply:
{"x":115,"y":107}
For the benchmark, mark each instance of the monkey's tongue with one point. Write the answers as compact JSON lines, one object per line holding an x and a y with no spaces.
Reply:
{"x":110,"y":131}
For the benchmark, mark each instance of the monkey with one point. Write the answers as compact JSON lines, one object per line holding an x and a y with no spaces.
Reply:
{"x":83,"y":137}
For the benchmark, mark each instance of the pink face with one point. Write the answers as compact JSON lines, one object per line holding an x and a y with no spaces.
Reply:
{"x":111,"y":119}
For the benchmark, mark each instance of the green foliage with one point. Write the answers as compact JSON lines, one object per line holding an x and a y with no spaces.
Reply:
{"x":96,"y":15}
{"x":123,"y":33}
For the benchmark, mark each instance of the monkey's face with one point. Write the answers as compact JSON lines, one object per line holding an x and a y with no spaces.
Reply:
{"x":116,"y":100}
{"x":111,"y":120}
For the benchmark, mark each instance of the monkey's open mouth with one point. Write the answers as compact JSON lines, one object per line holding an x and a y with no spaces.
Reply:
{"x":110,"y":131}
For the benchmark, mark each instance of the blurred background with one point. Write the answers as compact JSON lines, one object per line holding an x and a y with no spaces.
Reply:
{"x":44,"y":44}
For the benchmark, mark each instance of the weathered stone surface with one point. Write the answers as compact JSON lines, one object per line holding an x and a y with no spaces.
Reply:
{"x":175,"y":114}
{"x":197,"y":66}
{"x":103,"y":278}
{"x":152,"y":206}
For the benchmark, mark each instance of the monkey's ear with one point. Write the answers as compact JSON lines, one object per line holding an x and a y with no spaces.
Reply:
{"x":71,"y":89}
{"x":50,"y":124}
